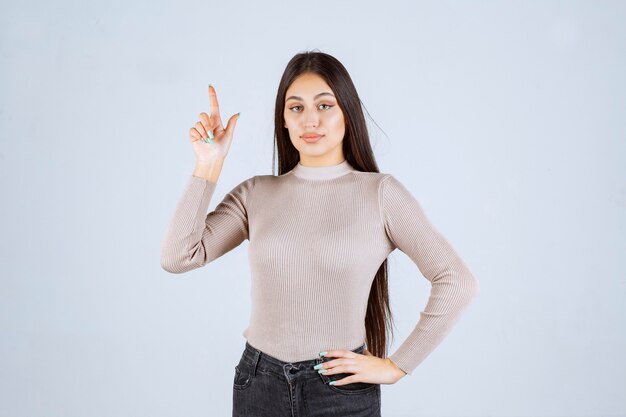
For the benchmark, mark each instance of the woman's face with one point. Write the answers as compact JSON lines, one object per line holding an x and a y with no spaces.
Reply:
{"x":311,"y":108}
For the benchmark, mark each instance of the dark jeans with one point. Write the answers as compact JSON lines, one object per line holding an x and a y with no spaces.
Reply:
{"x":265,"y":386}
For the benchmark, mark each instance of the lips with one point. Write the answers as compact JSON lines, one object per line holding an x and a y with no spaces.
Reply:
{"x":311,"y":138}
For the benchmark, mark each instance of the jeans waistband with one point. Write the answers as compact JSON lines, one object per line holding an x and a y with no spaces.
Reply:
{"x":253,"y":356}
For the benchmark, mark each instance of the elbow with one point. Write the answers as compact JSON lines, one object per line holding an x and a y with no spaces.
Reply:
{"x":467,"y":286}
{"x":174,"y":264}
{"x":169,"y":268}
{"x":472,"y":285}
{"x":463,"y":285}
{"x":177,"y":263}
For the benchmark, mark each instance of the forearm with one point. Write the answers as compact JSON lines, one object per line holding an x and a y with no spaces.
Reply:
{"x":182,"y":249}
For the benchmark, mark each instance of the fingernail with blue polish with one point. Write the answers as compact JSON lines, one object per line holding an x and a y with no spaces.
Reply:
{"x":332,"y":382}
{"x":323,"y":353}
{"x":318,"y":366}
{"x":322,"y":371}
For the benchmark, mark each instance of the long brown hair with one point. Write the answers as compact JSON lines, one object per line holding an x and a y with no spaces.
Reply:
{"x":358,"y":153}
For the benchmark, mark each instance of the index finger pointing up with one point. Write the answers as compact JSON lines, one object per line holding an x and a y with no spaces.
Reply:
{"x":215,"y":108}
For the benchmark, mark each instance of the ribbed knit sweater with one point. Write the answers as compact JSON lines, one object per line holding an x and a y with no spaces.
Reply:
{"x":317,"y":236}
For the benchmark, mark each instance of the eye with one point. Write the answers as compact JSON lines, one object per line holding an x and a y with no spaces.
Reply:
{"x":329,"y":106}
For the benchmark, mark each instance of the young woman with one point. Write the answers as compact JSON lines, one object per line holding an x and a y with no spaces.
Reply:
{"x":319,"y":234}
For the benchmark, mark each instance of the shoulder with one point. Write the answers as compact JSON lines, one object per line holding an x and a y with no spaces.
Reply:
{"x":393,"y":192}
{"x":243,"y":188}
{"x":379,"y":183}
{"x":262,"y":184}
{"x":265,"y":177}
{"x":391,"y":182}
{"x":265,"y":180}
{"x":382,"y":180}
{"x":372,"y":177}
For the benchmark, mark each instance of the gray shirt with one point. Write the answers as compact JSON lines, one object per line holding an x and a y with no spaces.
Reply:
{"x":317,"y":236}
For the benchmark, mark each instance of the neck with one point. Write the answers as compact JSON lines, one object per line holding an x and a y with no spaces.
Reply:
{"x":322,"y":172}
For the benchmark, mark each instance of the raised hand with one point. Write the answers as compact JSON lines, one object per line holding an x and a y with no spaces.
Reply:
{"x":209,"y":140}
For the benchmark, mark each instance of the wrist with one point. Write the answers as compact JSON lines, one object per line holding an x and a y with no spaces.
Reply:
{"x":209,"y":170}
{"x":396,"y":367}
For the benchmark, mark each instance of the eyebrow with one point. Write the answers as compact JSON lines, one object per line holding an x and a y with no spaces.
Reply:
{"x":320,"y":94}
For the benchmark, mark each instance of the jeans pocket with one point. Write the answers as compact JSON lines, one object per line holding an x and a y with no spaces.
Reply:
{"x":353,"y":388}
{"x":243,"y":376}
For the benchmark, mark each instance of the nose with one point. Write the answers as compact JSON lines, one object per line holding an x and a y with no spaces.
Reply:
{"x":311,"y":118}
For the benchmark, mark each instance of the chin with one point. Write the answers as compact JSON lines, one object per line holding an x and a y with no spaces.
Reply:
{"x":308,"y":153}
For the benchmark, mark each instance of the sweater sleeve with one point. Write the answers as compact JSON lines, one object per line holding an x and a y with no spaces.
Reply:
{"x":195,"y":238}
{"x":453,"y":284}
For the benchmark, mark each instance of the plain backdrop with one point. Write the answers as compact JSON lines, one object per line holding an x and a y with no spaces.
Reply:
{"x":505,"y":119}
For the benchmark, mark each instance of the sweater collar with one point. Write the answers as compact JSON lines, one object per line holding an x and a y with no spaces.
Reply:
{"x":322,"y":172}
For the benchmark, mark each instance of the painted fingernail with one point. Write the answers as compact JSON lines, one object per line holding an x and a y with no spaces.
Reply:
{"x":332,"y":382}
{"x":322,"y":371}
{"x":210,"y":134}
{"x":323,"y":353}
{"x":318,"y":366}
{"x":211,"y":141}
{"x":202,"y":139}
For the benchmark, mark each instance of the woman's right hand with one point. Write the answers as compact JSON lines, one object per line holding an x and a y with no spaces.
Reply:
{"x":205,"y":151}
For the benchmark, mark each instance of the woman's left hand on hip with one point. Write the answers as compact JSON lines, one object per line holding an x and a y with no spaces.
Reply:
{"x":364,"y":367}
